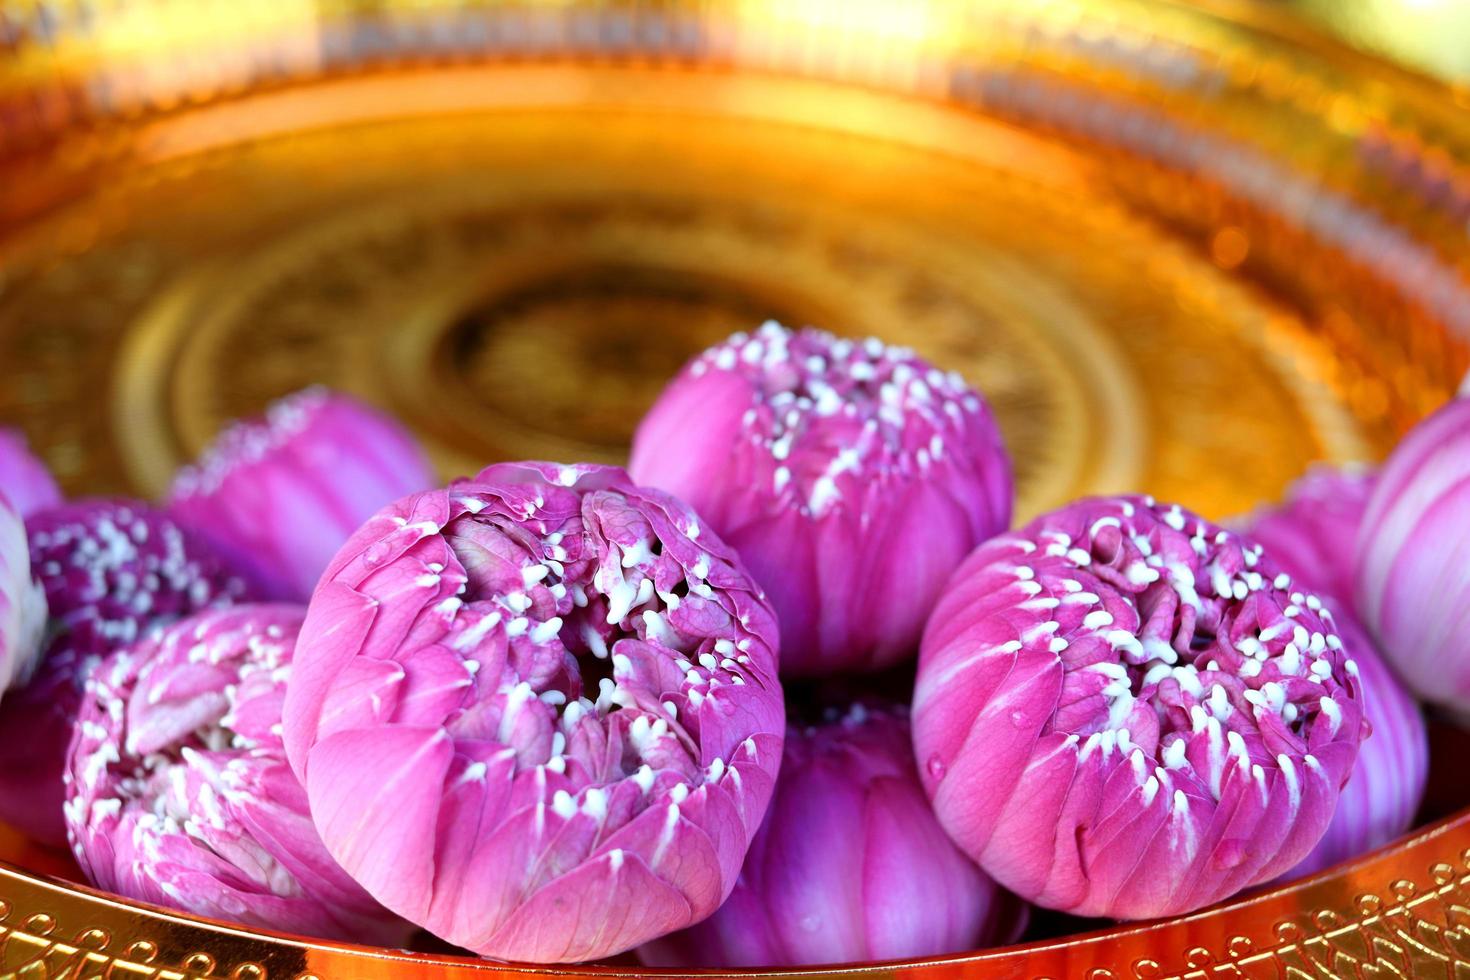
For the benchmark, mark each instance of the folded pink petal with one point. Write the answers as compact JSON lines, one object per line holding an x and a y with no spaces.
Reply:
{"x":24,"y":480}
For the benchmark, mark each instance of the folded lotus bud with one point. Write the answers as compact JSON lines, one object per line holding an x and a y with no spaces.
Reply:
{"x":1123,"y":710}
{"x":178,"y":789}
{"x":1312,"y":535}
{"x":24,"y":480}
{"x":111,"y":570}
{"x":22,"y":604}
{"x":852,"y":478}
{"x":850,"y":865}
{"x":278,"y":495}
{"x":1413,"y":562}
{"x":1314,"y":532}
{"x":537,"y":712}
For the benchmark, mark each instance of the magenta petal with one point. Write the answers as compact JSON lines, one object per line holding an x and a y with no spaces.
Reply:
{"x":374,"y":798}
{"x":24,"y":480}
{"x":344,"y":616}
{"x":610,"y":901}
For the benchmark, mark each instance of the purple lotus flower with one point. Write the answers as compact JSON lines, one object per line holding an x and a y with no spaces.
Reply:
{"x":1123,"y":710}
{"x":849,"y":866}
{"x":1312,"y":536}
{"x":111,"y":570}
{"x":1413,"y":561}
{"x":178,"y":788}
{"x":278,"y":495}
{"x":24,"y":480}
{"x":22,"y":603}
{"x":852,"y":478}
{"x":537,"y":712}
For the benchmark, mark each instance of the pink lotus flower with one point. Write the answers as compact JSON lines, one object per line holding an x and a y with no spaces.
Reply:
{"x":111,"y":570}
{"x":1413,"y":561}
{"x":22,"y":603}
{"x":1312,"y":536}
{"x":850,"y":865}
{"x":178,"y":788}
{"x":1123,"y":710}
{"x":852,"y":478}
{"x":537,"y":712}
{"x":24,"y":480}
{"x":277,"y":496}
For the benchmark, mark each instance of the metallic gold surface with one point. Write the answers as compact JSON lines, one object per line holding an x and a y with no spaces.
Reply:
{"x":1185,"y":250}
{"x":1430,"y":35}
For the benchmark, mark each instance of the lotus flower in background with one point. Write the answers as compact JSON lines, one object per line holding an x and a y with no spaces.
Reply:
{"x":278,"y":495}
{"x":537,"y":712}
{"x":111,"y":570}
{"x":1313,"y":533}
{"x":22,"y":604}
{"x":1382,"y":797}
{"x":1313,"y":536}
{"x":852,"y":478}
{"x":849,"y":866}
{"x":24,"y":480}
{"x":178,"y":788}
{"x":1413,"y":561}
{"x":1123,"y":710}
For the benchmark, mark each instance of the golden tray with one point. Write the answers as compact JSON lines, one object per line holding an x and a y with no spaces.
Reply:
{"x":1184,"y":249}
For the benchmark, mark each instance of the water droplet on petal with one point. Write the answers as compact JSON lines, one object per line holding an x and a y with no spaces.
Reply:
{"x":936,"y":767}
{"x":1229,"y":854}
{"x":1018,"y":718}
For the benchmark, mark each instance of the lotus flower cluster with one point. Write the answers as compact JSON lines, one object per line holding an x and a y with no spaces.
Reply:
{"x":111,"y":570}
{"x":178,"y":787}
{"x":1123,"y":710}
{"x":537,"y":712}
{"x":24,"y":480}
{"x":278,"y":495}
{"x":1413,"y":560}
{"x":852,"y":477}
{"x":850,"y":864}
{"x":1313,"y":535}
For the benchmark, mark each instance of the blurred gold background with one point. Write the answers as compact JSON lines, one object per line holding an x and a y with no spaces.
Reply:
{"x":1430,"y":35}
